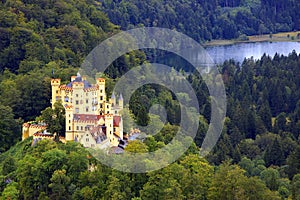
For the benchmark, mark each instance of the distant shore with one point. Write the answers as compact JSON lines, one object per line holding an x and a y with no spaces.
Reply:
{"x":277,"y":37}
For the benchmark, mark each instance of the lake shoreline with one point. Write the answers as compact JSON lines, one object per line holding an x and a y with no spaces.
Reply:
{"x":278,"y":37}
{"x":255,"y":50}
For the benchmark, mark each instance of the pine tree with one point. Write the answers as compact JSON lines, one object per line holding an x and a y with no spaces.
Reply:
{"x":274,"y":154}
{"x":142,"y":117}
{"x":293,"y":162}
{"x":265,"y":114}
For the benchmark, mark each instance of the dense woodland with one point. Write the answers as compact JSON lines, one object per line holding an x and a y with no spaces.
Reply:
{"x":205,"y":20}
{"x":257,"y":156}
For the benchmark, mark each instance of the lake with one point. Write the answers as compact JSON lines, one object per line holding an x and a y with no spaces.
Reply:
{"x":241,"y":51}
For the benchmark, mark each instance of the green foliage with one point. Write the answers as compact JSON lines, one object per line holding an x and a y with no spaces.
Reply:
{"x":293,"y":162}
{"x":271,"y":178}
{"x":59,"y":185}
{"x":55,"y":119}
{"x":8,"y":166}
{"x":64,"y":171}
{"x":296,"y":187}
{"x":231,"y":183}
{"x":9,"y":128}
{"x":136,"y":146}
{"x":35,"y":35}
{"x":274,"y":154}
{"x":206,"y":20}
{"x":49,"y":167}
{"x":10,"y":192}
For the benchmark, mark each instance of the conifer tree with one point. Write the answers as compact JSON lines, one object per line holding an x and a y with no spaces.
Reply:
{"x":274,"y":154}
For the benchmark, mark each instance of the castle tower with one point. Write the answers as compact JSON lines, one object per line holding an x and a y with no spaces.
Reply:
{"x":109,"y":122}
{"x":107,"y":108}
{"x":78,"y":94}
{"x":69,"y":123}
{"x":101,"y":95}
{"x":55,"y":83}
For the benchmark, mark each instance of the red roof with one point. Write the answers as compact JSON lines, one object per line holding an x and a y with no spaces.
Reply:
{"x":117,"y":120}
{"x":98,"y":130}
{"x":87,"y":117}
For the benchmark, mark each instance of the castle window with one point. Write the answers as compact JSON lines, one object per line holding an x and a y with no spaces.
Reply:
{"x":56,"y":91}
{"x":114,"y":129}
{"x":107,"y":106}
{"x":77,"y":110}
{"x":69,"y":121}
{"x":81,"y":102}
{"x":87,"y":109}
{"x":101,"y":91}
{"x":77,"y":128}
{"x":81,"y":127}
{"x":86,"y":101}
{"x":101,"y":106}
{"x":76,"y":95}
{"x":77,"y":102}
{"x":69,"y":128}
{"x":87,"y":139}
{"x":101,"y":98}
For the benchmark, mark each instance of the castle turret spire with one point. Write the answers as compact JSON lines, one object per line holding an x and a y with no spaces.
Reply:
{"x":121,"y":102}
{"x":113,"y":96}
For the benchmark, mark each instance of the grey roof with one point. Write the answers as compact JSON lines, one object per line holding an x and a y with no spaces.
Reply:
{"x":113,"y":96}
{"x":78,"y":79}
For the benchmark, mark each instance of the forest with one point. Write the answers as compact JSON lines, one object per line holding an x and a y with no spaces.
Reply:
{"x":257,"y":155}
{"x":206,"y":20}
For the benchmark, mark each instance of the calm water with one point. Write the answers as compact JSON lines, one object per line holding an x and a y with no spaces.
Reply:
{"x":247,"y":50}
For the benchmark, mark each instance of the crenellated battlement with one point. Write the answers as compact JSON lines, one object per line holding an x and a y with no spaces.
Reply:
{"x":100,"y":80}
{"x":55,"y":81}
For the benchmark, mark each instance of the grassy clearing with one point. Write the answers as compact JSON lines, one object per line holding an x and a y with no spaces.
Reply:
{"x":278,"y":37}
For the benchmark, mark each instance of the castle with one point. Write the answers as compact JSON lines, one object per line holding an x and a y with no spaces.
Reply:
{"x":91,"y":119}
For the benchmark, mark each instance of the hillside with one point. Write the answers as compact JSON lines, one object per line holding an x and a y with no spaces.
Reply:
{"x":66,"y":171}
{"x":206,"y":20}
{"x":257,"y":155}
{"x":40,"y":40}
